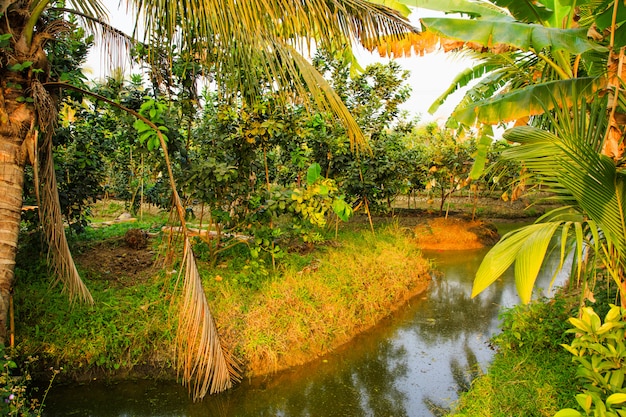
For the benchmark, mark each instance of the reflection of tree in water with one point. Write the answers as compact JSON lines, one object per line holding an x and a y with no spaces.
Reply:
{"x":366,"y":389}
{"x":463,"y":377}
{"x":449,"y":312}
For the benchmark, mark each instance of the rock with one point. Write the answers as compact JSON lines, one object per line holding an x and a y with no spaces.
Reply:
{"x":124,"y":217}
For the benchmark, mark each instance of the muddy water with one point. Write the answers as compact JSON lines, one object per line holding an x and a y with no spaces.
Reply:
{"x":413,"y":364}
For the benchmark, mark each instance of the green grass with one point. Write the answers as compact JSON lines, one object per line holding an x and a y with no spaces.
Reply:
{"x":125,"y":327}
{"x":531,"y":374}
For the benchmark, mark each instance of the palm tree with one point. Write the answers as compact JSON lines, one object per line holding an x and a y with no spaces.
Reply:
{"x":541,"y":63}
{"x":589,"y":225}
{"x":244,"y":43}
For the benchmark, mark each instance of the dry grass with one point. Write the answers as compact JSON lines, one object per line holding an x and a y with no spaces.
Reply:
{"x":306,"y":314}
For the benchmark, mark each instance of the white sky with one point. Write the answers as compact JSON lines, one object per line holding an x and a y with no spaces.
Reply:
{"x":430,"y":74}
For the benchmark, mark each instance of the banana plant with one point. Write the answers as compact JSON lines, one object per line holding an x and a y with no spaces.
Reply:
{"x":527,"y":51}
{"x":550,"y":38}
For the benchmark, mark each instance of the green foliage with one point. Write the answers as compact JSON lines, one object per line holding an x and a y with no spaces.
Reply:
{"x":5,"y":39}
{"x":380,"y":173}
{"x":539,"y":326}
{"x":78,"y":163}
{"x":446,"y":161}
{"x":541,"y":39}
{"x":502,"y":174}
{"x":153,"y":110}
{"x":599,"y":349}
{"x":566,"y":161}
{"x":530,"y":374}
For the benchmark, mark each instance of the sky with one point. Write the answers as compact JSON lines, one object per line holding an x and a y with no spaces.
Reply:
{"x":430,"y":74}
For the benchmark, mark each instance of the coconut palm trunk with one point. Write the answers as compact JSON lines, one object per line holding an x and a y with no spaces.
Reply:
{"x":16,"y":120}
{"x":26,"y":109}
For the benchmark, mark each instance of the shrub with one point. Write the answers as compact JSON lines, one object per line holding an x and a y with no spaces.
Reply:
{"x":600,"y":351}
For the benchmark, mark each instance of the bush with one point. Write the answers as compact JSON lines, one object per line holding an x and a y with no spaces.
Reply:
{"x":531,"y":375}
{"x":600,"y":351}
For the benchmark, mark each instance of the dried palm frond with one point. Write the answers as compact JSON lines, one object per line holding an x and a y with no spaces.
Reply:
{"x":203,"y":364}
{"x":44,"y":106}
{"x":201,"y":359}
{"x":59,"y":256}
{"x":115,"y":44}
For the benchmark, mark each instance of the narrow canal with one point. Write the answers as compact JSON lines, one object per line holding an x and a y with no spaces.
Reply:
{"x":414,"y":363}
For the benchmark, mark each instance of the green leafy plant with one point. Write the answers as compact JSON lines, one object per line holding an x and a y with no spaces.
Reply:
{"x":154,"y":110}
{"x":600,"y":351}
{"x":540,"y":325}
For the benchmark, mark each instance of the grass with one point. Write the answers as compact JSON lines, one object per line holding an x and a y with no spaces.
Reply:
{"x":531,"y":374}
{"x":315,"y":302}
{"x":126,"y":327}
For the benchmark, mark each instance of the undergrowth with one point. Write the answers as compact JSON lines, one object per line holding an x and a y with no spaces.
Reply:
{"x":531,"y":374}
{"x":316,"y":299}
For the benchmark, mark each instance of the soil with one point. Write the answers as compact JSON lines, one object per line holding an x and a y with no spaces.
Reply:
{"x":463,"y":225}
{"x":117,"y":261}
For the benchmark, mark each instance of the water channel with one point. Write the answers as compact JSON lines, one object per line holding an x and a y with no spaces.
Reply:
{"x":412,"y":364}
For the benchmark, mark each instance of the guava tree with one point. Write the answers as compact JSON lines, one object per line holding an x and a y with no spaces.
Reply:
{"x":243,"y":42}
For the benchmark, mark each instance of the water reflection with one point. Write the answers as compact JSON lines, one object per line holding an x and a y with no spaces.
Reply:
{"x":413,"y":364}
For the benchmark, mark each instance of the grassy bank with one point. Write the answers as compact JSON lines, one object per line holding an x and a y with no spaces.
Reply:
{"x":316,"y":301}
{"x":531,"y":373}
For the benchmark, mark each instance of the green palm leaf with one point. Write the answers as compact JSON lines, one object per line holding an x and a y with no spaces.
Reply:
{"x":530,"y":256}
{"x":568,"y":162}
{"x":463,"y":79}
{"x":578,"y":169}
{"x":505,"y":253}
{"x":477,"y":8}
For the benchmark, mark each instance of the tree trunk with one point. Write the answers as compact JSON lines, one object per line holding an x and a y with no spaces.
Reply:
{"x":11,"y":187}
{"x":15,"y":120}
{"x":11,"y":184}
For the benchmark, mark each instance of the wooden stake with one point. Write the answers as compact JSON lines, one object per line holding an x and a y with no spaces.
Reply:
{"x":11,"y":322}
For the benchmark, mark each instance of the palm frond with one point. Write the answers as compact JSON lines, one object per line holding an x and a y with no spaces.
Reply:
{"x":59,"y":255}
{"x":115,"y":44}
{"x":249,"y":45}
{"x":93,"y":8}
{"x":530,"y":256}
{"x":504,"y":254}
{"x":461,"y":80}
{"x":575,"y":167}
{"x":203,"y":363}
{"x":330,"y":100}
